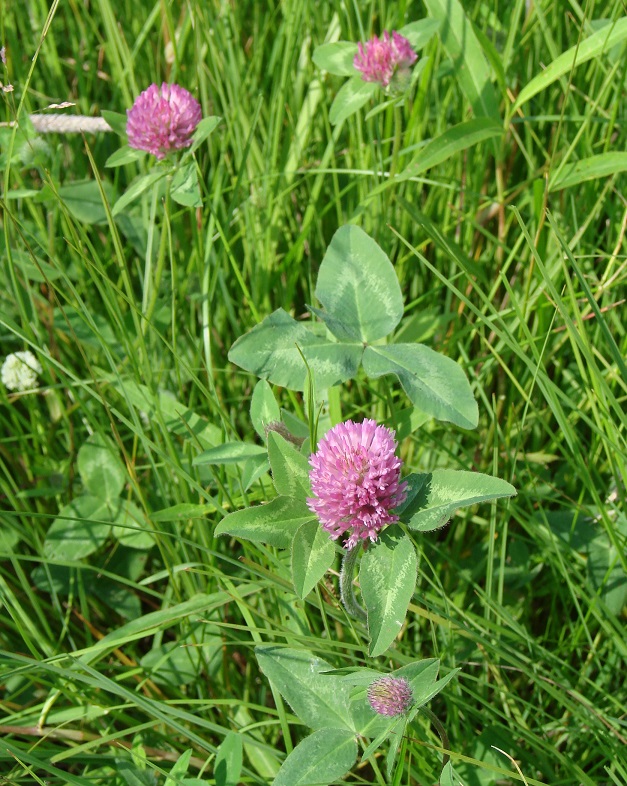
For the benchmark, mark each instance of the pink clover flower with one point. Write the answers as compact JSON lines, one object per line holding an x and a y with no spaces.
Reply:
{"x":162,"y":119}
{"x":355,"y":479}
{"x":379,"y":59}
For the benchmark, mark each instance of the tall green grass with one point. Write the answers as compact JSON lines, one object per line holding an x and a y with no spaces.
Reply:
{"x":115,"y":665}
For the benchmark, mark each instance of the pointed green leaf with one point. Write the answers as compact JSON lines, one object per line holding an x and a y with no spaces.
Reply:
{"x":84,"y":200}
{"x":602,"y":41}
{"x":203,"y":131}
{"x":313,"y":553}
{"x":387,"y":576}
{"x":80,"y":529}
{"x":130,"y":526}
{"x":422,"y":694}
{"x":461,"y":45}
{"x":229,"y":453}
{"x":392,"y":727}
{"x":602,"y":165}
{"x":290,"y":469}
{"x":433,"y":497}
{"x":436,"y":384}
{"x":182,"y":512}
{"x":452,"y":141}
{"x":421,"y":32}
{"x":253,"y":468}
{"x":605,"y":570}
{"x":229,"y":759}
{"x":336,"y":58}
{"x":185,"y":189}
{"x":179,"y":770}
{"x":136,"y":189}
{"x":351,"y":97}
{"x":390,"y":758}
{"x":263,"y":408}
{"x":422,"y":676}
{"x":125,"y":155}
{"x":358,"y":287}
{"x":322,"y":758}
{"x":117,"y":121}
{"x":165,"y":408}
{"x":321,"y":701}
{"x":274,"y":523}
{"x":100,"y":468}
{"x":270,"y":350}
{"x":448,"y":776}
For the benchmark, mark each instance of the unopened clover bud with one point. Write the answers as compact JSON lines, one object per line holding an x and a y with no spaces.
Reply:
{"x":390,"y":696}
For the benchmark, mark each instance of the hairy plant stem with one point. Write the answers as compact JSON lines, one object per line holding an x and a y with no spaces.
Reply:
{"x":347,"y":593}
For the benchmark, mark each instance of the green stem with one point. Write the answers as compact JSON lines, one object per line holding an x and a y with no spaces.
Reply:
{"x":441,"y":732}
{"x":150,"y":240}
{"x":346,"y":585}
{"x":151,"y":300}
{"x":396,"y":145}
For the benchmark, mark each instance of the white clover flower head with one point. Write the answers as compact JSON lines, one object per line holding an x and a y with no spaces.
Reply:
{"x":20,"y":371}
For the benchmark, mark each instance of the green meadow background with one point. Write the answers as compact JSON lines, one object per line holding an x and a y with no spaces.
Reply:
{"x":118,"y":657}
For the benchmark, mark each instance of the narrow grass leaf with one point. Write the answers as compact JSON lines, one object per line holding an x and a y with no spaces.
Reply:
{"x":593,"y":46}
{"x":452,"y":141}
{"x":229,"y":453}
{"x":601,"y":165}
{"x":469,"y":62}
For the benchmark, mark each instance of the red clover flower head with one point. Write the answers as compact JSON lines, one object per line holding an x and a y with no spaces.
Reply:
{"x":390,"y":696}
{"x":379,"y":59}
{"x":162,"y":119}
{"x":355,"y":477}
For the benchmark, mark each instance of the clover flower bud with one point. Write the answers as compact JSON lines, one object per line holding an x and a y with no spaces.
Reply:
{"x":390,"y":696}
